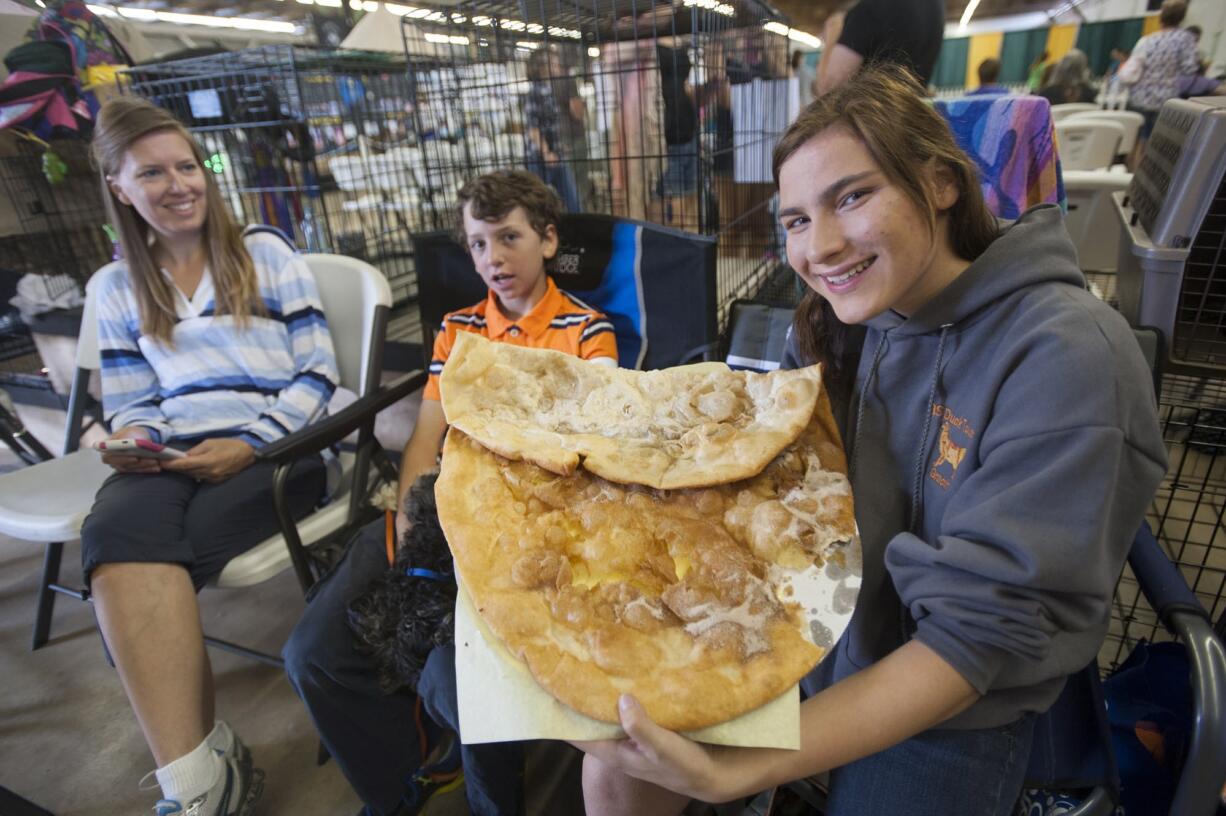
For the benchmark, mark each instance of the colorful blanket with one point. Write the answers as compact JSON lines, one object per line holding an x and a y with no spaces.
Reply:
{"x":1011,"y":139}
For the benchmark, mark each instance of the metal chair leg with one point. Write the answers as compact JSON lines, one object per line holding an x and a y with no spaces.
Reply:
{"x":46,"y":595}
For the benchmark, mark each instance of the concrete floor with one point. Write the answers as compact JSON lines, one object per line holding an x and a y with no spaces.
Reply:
{"x":70,"y":743}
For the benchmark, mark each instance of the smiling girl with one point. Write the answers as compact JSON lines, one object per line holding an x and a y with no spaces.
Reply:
{"x":214,"y":343}
{"x":1003,"y":446}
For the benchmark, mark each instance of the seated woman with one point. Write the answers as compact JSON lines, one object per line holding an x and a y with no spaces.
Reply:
{"x":1002,"y":454}
{"x":214,"y":343}
{"x":1070,"y":80}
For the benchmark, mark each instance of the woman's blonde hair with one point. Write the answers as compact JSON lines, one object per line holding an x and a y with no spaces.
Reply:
{"x":884,"y":108}
{"x":122,"y":122}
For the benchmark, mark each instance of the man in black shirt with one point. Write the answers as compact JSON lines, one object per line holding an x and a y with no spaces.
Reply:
{"x":908,"y":32}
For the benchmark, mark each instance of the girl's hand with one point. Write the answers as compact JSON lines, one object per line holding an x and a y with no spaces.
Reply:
{"x":131,"y":464}
{"x":213,"y":460}
{"x":661,"y":757}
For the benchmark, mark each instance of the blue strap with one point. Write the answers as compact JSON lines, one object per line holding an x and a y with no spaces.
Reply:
{"x":419,"y":572}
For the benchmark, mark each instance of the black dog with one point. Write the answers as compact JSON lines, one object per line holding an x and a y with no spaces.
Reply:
{"x":410,"y":610}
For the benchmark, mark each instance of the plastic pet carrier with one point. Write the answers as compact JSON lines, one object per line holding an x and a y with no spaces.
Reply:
{"x":1172,"y":259}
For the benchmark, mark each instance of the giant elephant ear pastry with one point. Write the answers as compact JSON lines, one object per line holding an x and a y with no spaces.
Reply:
{"x":689,"y":426}
{"x":683,"y":598}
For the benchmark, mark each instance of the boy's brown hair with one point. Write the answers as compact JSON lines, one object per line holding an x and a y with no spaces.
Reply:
{"x":495,"y":194}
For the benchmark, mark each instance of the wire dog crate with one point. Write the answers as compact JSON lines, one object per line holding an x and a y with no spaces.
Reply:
{"x":1172,"y":275}
{"x":55,"y":233}
{"x":1188,"y":514}
{"x":650,"y":110}
{"x":312,"y":141}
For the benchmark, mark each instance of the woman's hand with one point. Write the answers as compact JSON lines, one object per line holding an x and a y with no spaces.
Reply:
{"x":663,"y":757}
{"x":131,"y":464}
{"x":213,"y":460}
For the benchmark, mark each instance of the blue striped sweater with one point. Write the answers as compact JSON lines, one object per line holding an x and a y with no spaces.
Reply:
{"x":257,"y":384}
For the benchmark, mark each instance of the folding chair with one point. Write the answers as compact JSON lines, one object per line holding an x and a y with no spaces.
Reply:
{"x":634,"y":271}
{"x":1088,"y":144}
{"x":1131,"y":121}
{"x":48,"y":502}
{"x":1091,"y":220}
{"x":1066,"y":109}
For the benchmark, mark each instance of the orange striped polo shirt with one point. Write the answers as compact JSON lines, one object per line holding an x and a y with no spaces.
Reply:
{"x":560,"y":321}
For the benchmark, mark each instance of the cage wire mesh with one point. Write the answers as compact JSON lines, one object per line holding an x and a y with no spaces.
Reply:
{"x":54,"y":233}
{"x":1188,"y":513}
{"x":306,"y":140}
{"x":656,"y":111}
{"x":1200,"y":322}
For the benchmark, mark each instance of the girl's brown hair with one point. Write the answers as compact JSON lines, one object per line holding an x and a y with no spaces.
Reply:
{"x":884,"y":108}
{"x":121,"y":122}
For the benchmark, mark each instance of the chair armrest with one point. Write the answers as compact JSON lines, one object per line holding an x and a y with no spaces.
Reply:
{"x":1164,"y":587}
{"x":1201,"y":782}
{"x":700,"y":354}
{"x":333,"y":429}
{"x":1160,"y":580}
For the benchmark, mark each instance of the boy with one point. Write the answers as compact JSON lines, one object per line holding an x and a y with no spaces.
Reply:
{"x":508,"y":222}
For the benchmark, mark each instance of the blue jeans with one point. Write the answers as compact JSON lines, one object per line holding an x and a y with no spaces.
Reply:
{"x":940,"y":772}
{"x":371,"y":734}
{"x":559,"y":176}
{"x":681,"y":172}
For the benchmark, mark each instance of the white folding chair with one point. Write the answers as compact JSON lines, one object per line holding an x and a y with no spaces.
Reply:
{"x":1064,"y":109}
{"x":48,"y":502}
{"x":1091,"y":220}
{"x":1087,"y":145}
{"x":1131,"y":121}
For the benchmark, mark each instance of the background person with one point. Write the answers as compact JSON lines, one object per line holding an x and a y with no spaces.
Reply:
{"x":546,"y":151}
{"x":988,"y":71}
{"x":1037,"y":72}
{"x":214,"y":343}
{"x":1069,"y":80}
{"x":901,"y":32}
{"x":508,"y":221}
{"x":1153,"y":70}
{"x":921,"y":708}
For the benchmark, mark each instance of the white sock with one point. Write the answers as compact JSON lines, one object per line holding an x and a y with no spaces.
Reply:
{"x":191,"y":774}
{"x":221,"y":738}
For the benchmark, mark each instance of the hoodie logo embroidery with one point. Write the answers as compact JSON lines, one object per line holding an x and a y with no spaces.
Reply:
{"x":951,"y":454}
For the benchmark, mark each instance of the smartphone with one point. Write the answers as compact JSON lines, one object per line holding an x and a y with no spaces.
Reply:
{"x":142,"y":448}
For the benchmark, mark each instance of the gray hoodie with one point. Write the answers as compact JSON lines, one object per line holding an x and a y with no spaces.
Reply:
{"x":1003,"y":448}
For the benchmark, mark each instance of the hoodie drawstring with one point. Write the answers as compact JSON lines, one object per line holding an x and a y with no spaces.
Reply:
{"x":922,"y":454}
{"x":868,"y":381}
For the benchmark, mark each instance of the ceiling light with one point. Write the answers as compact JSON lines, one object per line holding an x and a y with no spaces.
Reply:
{"x":712,"y":5}
{"x":966,"y":15}
{"x":450,"y":39}
{"x":274,"y":26}
{"x":593,"y":52}
{"x":138,"y":13}
{"x":329,"y":3}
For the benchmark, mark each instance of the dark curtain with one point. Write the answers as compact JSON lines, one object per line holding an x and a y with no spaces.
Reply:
{"x":950,"y":71}
{"x":1017,"y":51}
{"x":1097,"y":40}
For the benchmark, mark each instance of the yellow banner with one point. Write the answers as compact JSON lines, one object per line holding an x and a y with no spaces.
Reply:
{"x":1060,"y":38}
{"x":981,"y":47}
